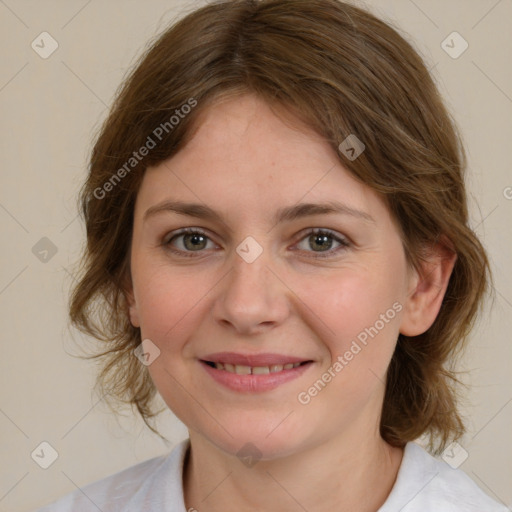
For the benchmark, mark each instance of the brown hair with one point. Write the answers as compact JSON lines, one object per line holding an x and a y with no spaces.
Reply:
{"x":343,"y":71}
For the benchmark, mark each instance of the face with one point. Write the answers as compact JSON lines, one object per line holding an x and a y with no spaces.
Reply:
{"x":264,"y":282}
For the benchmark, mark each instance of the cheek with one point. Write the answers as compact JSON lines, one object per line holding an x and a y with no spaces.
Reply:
{"x":357,"y":301}
{"x":168,"y":303}
{"x":362,"y":309}
{"x":362,"y":312}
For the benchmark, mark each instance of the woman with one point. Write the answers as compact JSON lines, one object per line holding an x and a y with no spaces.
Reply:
{"x":278,"y":245}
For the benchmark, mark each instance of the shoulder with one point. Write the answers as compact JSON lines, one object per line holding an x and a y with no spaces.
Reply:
{"x":427,"y":484}
{"x":145,"y":486}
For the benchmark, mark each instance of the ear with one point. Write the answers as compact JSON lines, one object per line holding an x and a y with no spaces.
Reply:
{"x":131,"y":301}
{"x":427,"y":288}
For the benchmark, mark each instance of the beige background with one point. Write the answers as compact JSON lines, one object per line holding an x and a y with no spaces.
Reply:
{"x":50,"y":109}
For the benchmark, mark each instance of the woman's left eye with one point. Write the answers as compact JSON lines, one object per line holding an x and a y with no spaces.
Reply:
{"x":324,"y":240}
{"x":195,"y":240}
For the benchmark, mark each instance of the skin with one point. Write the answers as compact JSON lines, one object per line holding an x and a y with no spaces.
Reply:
{"x":246,"y":162}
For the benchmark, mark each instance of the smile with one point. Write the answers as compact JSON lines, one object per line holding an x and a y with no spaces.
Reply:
{"x":253,"y":370}
{"x":260,"y":376}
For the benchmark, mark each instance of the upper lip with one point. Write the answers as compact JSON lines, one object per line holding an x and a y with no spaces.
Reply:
{"x":265,"y":359}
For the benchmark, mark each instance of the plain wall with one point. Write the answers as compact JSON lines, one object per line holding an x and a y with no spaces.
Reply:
{"x":50,"y":110}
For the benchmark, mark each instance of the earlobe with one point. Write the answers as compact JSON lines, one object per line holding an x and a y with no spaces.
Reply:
{"x":132,"y":310}
{"x":132,"y":304}
{"x":427,"y":290}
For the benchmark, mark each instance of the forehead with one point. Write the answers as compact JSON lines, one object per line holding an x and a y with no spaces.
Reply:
{"x":247,"y":155}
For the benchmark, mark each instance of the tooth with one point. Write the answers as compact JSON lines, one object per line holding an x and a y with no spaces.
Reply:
{"x":229,"y":367}
{"x":276,"y":368}
{"x":260,"y":370}
{"x":219,"y":366}
{"x":242,"y":370}
{"x":296,"y":364}
{"x":288,"y":366}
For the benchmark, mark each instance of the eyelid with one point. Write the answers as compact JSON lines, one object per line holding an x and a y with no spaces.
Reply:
{"x":185,"y":231}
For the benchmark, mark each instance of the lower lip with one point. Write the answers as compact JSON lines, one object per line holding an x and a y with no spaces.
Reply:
{"x":255,"y":383}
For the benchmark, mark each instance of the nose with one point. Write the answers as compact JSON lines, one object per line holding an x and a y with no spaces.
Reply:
{"x":252,"y":297}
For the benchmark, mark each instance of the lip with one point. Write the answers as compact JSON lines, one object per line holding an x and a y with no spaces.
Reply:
{"x":254,"y":383}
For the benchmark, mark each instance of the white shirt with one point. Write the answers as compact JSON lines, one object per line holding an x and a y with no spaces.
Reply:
{"x":423,"y":484}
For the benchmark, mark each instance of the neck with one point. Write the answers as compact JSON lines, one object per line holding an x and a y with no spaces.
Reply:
{"x":336,"y":475}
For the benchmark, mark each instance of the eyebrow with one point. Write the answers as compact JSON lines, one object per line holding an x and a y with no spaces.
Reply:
{"x":287,"y":214}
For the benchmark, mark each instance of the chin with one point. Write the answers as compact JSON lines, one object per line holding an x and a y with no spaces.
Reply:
{"x":258,"y":440}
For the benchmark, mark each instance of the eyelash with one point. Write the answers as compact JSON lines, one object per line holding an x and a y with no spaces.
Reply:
{"x":344,"y":243}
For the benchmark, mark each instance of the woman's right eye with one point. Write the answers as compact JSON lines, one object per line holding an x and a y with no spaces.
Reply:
{"x":190,"y":239}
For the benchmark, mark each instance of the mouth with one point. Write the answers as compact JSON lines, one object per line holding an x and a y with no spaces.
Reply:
{"x":253,"y":373}
{"x":240,"y":369}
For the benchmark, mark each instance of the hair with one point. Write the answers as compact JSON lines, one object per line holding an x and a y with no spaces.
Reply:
{"x":342,"y":71}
